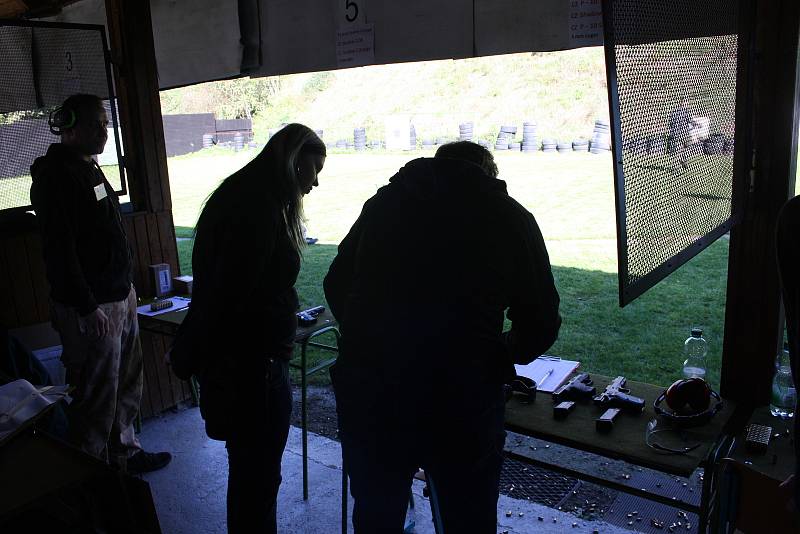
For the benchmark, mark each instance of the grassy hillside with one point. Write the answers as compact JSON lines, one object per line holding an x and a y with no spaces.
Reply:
{"x":563,"y":91}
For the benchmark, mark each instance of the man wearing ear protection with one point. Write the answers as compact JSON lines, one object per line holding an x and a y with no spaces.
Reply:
{"x":93,"y":302}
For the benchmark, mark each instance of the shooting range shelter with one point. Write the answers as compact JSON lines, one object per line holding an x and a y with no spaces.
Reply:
{"x":164,"y":44}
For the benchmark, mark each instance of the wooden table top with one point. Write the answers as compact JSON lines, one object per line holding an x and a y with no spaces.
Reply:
{"x":627,"y":439}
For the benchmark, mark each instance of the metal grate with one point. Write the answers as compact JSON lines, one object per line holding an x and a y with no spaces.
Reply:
{"x":672,"y":85}
{"x":41,"y":64}
{"x":527,"y":482}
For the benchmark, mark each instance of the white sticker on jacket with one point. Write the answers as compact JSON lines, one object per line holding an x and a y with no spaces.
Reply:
{"x":100,"y":192}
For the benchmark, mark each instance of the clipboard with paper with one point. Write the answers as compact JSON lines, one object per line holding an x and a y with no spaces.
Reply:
{"x":549,"y":372}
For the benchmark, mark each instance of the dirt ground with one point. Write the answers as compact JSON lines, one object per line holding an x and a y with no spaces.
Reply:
{"x":321,"y":410}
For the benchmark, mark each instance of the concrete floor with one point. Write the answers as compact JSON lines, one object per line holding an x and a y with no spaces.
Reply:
{"x":190,"y":493}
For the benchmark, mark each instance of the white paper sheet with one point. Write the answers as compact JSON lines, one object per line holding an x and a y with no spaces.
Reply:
{"x":539,"y":367}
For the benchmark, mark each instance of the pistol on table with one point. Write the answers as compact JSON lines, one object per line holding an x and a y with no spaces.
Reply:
{"x":617,"y":395}
{"x":577,"y":389}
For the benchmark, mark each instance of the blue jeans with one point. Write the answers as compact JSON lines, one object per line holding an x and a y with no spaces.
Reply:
{"x":388,"y":432}
{"x":255,"y":449}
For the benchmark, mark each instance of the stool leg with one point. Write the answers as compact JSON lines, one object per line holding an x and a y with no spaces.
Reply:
{"x":304,"y":416}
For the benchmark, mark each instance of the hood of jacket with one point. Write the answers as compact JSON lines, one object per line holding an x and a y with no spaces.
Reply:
{"x":429,"y":179}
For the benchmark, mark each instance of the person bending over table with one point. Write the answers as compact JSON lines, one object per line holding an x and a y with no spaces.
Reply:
{"x":92,"y":298}
{"x":239,"y":332}
{"x":788,"y":250}
{"x":422,"y":361}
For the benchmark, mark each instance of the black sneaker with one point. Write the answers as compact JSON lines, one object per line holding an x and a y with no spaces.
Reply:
{"x":144,"y":462}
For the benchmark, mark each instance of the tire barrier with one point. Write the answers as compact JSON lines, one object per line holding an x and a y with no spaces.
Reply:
{"x":319,"y":133}
{"x":563,"y":147}
{"x":515,"y":146}
{"x":341,"y":143}
{"x":412,"y":139}
{"x":601,"y":137}
{"x":238,"y":142}
{"x":465,"y":131}
{"x":715,"y":144}
{"x":442,"y":140}
{"x":728,"y":145}
{"x":549,"y":145}
{"x":208,"y":141}
{"x":360,"y":138}
{"x":580,"y":145}
{"x":530,"y":141}
{"x":428,"y":144}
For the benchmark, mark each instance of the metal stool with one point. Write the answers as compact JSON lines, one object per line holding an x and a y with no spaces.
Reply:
{"x":305,"y":341}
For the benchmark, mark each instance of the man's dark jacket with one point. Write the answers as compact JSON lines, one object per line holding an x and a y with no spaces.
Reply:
{"x":85,"y":248}
{"x":422,"y":280}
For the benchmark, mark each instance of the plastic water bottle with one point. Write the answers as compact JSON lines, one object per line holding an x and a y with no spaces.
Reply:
{"x":784,"y":394}
{"x":695,"y":349}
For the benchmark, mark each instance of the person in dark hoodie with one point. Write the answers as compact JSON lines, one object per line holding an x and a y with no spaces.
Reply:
{"x":788,"y":252}
{"x":423,"y":355}
{"x":239,"y":342}
{"x":93,"y":302}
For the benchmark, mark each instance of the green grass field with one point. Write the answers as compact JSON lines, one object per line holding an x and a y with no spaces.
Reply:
{"x":571,"y":196}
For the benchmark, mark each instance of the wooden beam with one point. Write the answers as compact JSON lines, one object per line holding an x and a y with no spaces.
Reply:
{"x":766,"y":144}
{"x":133,"y":55}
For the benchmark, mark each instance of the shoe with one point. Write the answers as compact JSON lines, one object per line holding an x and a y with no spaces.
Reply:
{"x":144,"y":462}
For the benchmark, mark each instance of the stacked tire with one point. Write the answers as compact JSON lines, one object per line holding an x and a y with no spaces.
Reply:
{"x":360,"y":138}
{"x":729,"y":145}
{"x":412,"y":139}
{"x":428,"y":144}
{"x":442,"y":141}
{"x":530,"y":140}
{"x":238,"y":142}
{"x":465,"y":131}
{"x":580,"y":145}
{"x":601,"y":137}
{"x":319,"y":133}
{"x":715,"y":144}
{"x":549,"y":145}
{"x":505,"y":137}
{"x":564,"y":147}
{"x":341,"y":143}
{"x":208,"y":141}
{"x":657,"y":144}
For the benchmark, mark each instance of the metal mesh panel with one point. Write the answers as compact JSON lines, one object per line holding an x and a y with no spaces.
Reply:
{"x":672,"y":83}
{"x":40,"y":66}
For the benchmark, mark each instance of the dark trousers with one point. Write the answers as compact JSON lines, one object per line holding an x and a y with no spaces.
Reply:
{"x":255,"y":449}
{"x":386,"y":437}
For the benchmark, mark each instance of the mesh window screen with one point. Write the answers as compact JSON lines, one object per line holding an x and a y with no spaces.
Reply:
{"x":672,"y":85}
{"x":41,"y":65}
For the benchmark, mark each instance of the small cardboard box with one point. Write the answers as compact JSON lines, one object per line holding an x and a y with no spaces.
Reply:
{"x":162,"y":279}
{"x":183,"y":284}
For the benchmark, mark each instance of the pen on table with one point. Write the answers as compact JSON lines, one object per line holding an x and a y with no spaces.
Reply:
{"x":546,"y":375}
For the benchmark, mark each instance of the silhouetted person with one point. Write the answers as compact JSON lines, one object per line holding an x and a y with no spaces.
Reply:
{"x":239,"y":333}
{"x":788,"y":249}
{"x":680,"y":126}
{"x":420,"y":285}
{"x":93,"y":302}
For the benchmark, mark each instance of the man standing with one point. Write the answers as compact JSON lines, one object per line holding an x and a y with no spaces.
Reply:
{"x":93,"y":302}
{"x":419,"y":287}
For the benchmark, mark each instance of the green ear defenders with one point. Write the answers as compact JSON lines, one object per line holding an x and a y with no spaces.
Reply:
{"x":61,"y":119}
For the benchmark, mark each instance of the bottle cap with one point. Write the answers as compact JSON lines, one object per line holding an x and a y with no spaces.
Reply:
{"x":697,"y":332}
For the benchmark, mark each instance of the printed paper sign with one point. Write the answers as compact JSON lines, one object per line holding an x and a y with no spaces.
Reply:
{"x":355,"y":45}
{"x":585,"y":23}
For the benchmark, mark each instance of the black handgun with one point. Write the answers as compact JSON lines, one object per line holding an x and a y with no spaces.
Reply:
{"x":617,"y":395}
{"x":577,"y":389}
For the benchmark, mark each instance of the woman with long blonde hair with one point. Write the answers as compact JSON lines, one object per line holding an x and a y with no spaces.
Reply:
{"x":239,"y":333}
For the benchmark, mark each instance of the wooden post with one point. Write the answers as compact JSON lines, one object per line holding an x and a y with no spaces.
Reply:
{"x":765,"y":175}
{"x":134,"y":59}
